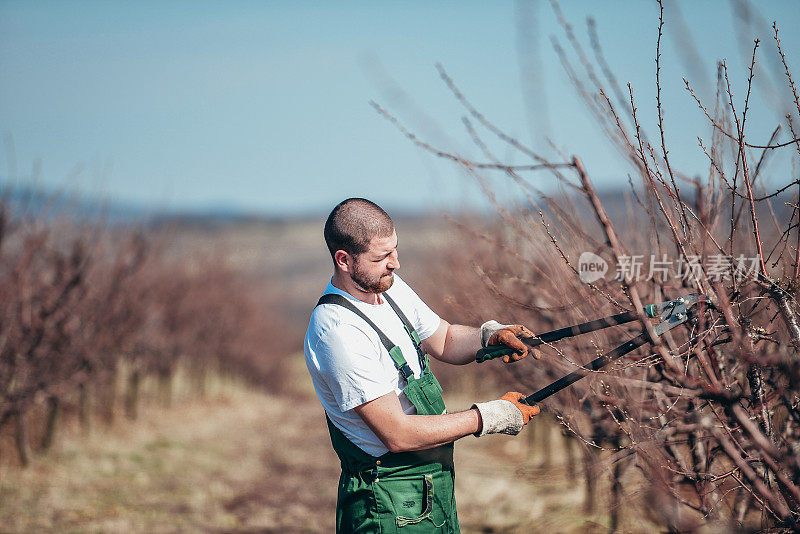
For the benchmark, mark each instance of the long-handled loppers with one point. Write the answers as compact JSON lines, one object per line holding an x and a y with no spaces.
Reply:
{"x":671,"y":314}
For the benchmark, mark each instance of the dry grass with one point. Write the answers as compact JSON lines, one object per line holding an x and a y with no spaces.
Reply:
{"x":218,"y":464}
{"x":243,"y":461}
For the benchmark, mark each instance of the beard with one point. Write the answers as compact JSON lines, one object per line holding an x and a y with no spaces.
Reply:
{"x":372,"y":284}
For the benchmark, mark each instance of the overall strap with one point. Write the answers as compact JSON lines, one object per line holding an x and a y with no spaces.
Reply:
{"x":410,"y":330}
{"x":394,"y":350}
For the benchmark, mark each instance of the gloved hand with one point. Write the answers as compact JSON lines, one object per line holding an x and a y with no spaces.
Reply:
{"x":505,"y":415}
{"x":494,"y":333}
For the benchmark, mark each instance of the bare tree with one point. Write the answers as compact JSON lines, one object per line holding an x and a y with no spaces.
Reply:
{"x":708,"y":413}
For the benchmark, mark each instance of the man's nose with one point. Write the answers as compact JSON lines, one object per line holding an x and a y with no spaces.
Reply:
{"x":394,"y":261}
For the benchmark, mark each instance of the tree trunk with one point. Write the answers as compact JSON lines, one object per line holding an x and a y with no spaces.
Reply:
{"x":590,"y":490}
{"x":51,"y":422}
{"x":616,"y":496}
{"x":84,"y":413}
{"x":109,"y":403}
{"x":132,"y":394}
{"x":22,"y":438}
{"x":165,"y":387}
{"x":569,"y":449}
{"x":740,"y":506}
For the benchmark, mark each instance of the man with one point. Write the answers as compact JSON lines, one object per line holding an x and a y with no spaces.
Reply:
{"x":366,"y":349}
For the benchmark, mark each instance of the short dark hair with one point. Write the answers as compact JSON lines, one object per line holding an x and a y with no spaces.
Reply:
{"x":353,"y":223}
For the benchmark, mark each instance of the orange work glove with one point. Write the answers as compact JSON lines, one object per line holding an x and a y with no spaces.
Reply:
{"x":494,"y":333}
{"x":505,"y":415}
{"x":527,"y":410}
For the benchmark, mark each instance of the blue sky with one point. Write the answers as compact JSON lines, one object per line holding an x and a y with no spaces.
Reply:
{"x":264,"y":106}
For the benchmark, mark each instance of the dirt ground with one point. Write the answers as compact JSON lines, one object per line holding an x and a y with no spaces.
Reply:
{"x":241,"y":461}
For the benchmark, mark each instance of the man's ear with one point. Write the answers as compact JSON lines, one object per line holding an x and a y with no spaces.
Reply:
{"x":341,"y":259}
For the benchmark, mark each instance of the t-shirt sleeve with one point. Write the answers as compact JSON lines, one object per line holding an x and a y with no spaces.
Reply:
{"x":424,"y":319}
{"x":350,"y":362}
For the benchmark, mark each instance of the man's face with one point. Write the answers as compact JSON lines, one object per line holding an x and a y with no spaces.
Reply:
{"x":372,"y":269}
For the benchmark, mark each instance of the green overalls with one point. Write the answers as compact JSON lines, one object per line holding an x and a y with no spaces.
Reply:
{"x":406,"y":492}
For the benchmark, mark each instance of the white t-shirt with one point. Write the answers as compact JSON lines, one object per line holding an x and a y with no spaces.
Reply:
{"x":350,"y":366}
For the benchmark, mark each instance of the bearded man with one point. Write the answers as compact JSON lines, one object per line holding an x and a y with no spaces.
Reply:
{"x":367,"y":349}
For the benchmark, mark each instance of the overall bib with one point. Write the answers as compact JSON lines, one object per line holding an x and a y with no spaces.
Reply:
{"x":407,"y":492}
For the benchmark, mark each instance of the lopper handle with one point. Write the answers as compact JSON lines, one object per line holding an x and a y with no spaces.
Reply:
{"x":652,"y":310}
{"x":495,"y":351}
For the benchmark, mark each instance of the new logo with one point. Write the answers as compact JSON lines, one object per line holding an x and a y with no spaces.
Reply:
{"x":591,"y":267}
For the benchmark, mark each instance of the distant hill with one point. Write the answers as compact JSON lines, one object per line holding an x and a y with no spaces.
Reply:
{"x":28,"y":201}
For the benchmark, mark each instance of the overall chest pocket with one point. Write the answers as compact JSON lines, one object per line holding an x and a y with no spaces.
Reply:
{"x":425,"y":394}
